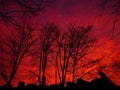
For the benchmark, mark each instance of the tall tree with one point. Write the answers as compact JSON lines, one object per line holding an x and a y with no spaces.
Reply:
{"x":14,"y":48}
{"x":46,"y":39}
{"x":81,"y":41}
{"x":71,"y":46}
{"x":63,"y":55}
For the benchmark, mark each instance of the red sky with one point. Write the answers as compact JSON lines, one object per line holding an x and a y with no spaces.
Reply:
{"x":82,"y":12}
{"x":85,"y":12}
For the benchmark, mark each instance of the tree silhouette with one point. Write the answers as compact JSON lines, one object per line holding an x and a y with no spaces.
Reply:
{"x":81,"y":41}
{"x":72,"y":45}
{"x":17,"y":11}
{"x":46,"y":39}
{"x":14,"y":48}
{"x":62,"y":56}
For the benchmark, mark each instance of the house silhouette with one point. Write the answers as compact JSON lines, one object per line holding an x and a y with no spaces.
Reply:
{"x":102,"y":83}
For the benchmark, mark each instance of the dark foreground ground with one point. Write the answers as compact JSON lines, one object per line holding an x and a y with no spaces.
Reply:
{"x":103,"y":83}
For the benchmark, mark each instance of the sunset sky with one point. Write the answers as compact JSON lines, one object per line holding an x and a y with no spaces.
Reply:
{"x":83,"y":12}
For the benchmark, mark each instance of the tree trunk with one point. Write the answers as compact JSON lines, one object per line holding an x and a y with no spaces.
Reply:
{"x":39,"y":73}
{"x":43,"y":81}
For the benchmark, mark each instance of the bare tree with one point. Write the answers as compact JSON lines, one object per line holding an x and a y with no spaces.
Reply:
{"x":14,"y":48}
{"x":62,"y":56}
{"x":81,"y":41}
{"x":14,"y":11}
{"x":46,"y":39}
{"x":72,"y":45}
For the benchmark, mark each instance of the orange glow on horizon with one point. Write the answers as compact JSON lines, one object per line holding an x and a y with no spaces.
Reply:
{"x":109,"y":49}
